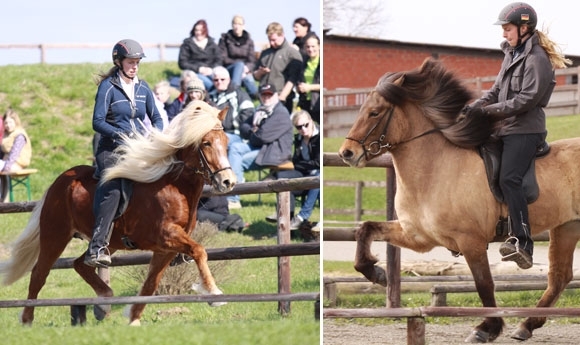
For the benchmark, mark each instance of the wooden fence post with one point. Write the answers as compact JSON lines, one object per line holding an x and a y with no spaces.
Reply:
{"x":283,"y":199}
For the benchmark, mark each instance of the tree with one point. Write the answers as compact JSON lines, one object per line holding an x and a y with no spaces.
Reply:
{"x":361,"y":18}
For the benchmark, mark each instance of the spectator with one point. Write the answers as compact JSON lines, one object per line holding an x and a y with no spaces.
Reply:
{"x":193,"y":89}
{"x":239,"y":56}
{"x":200,"y":53}
{"x":306,"y":161}
{"x":214,"y":209}
{"x":16,"y":147}
{"x":302,"y":27}
{"x":309,"y":85}
{"x":279,"y":65}
{"x":240,"y":106}
{"x":161,"y":92}
{"x":121,"y":105}
{"x":269,"y":139}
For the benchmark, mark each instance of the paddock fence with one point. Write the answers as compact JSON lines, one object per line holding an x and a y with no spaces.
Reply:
{"x":416,"y":316}
{"x":283,"y":250}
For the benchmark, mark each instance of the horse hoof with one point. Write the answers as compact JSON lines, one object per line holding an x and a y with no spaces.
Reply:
{"x":135,"y":323}
{"x":198,"y":288}
{"x":521,"y":333}
{"x":477,"y":337}
{"x":101,"y":311}
{"x":381,"y":276}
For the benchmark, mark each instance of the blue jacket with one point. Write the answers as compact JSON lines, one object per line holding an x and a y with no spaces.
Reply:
{"x":114,"y":114}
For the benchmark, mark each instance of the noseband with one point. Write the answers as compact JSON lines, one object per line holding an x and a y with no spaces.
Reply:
{"x":375,"y":147}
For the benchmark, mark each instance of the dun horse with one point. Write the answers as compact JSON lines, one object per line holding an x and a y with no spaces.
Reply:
{"x":443,"y":198}
{"x":170,"y":169}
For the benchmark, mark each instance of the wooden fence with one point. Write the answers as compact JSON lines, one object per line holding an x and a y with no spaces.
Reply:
{"x":416,"y":316}
{"x":282,"y":251}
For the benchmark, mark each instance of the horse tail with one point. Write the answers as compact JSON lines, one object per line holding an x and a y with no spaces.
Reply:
{"x":25,"y":249}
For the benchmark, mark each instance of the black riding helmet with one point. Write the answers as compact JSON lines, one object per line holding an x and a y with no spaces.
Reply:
{"x":126,"y":48}
{"x":518,"y":13}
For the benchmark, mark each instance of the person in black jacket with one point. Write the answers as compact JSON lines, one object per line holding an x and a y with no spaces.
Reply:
{"x":239,"y":56}
{"x":306,"y":161}
{"x":200,"y":53}
{"x":215,"y":209}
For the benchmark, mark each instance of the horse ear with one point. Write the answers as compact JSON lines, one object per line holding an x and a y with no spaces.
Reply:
{"x":399,"y":81}
{"x":222,"y":114}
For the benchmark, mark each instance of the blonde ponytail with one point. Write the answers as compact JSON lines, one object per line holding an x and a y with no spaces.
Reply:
{"x":554,"y":52}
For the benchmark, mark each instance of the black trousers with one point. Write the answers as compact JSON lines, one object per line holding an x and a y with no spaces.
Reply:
{"x":518,"y":153}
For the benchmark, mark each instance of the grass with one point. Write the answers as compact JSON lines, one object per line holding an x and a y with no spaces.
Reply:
{"x":55,"y":103}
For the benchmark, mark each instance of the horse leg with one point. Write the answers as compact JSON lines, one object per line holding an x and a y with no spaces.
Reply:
{"x":158,"y":265}
{"x":391,"y":232}
{"x":364,"y":261}
{"x":561,"y":248}
{"x":491,"y":327}
{"x":90,"y":276}
{"x":49,"y":253}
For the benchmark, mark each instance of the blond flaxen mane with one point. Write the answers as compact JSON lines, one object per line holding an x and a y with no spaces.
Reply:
{"x":148,"y":158}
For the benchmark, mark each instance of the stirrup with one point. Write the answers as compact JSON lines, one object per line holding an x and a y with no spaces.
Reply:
{"x":101,"y":259}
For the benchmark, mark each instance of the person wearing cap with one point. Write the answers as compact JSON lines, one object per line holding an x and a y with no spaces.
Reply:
{"x":516,"y":100}
{"x":122,"y":103}
{"x":268,"y":135}
{"x":279,"y":65}
{"x":228,"y":94}
{"x":193,"y":89}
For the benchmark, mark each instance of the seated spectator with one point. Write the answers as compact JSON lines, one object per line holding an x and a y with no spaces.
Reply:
{"x":239,"y":56}
{"x":227,"y":94}
{"x":279,"y":65}
{"x":301,"y":27}
{"x":269,"y":139}
{"x":16,"y":150}
{"x":214,"y":209}
{"x":306,"y":161}
{"x":200,"y":53}
{"x":193,"y":90}
{"x":161,"y":92}
{"x":309,"y":85}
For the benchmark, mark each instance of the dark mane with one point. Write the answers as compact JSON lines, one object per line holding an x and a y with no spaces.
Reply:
{"x":441,"y":95}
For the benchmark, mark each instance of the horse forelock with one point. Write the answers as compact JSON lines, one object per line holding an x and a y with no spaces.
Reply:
{"x":390,"y":91}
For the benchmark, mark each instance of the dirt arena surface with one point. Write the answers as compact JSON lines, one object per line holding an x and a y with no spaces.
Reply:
{"x":337,"y":332}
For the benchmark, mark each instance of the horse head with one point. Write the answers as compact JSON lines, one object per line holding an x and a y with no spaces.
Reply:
{"x":210,"y":156}
{"x":367,"y":137}
{"x":409,"y":105}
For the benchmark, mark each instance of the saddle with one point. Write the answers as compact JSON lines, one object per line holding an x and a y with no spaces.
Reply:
{"x":490,"y":152}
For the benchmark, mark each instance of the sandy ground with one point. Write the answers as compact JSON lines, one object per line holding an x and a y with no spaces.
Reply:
{"x":344,"y":332}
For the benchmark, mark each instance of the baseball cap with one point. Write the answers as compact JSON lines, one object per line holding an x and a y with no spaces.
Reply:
{"x":267,"y":88}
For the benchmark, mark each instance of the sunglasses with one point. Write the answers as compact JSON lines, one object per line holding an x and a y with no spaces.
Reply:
{"x":299,"y":127}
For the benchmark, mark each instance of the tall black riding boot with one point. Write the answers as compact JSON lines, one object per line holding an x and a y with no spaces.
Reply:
{"x":106,"y":202}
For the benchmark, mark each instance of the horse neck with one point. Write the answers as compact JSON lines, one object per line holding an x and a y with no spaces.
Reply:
{"x":419,"y":160}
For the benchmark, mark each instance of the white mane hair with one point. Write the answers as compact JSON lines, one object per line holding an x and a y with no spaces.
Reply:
{"x":146,"y":158}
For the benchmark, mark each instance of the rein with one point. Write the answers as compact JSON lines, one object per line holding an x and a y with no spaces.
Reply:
{"x":375,"y":147}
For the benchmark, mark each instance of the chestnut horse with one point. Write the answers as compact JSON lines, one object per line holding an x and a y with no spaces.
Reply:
{"x":443,"y":198}
{"x":170,"y":169}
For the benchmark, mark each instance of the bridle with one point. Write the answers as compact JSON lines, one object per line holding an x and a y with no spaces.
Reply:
{"x":205,"y":171}
{"x":375,"y":147}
